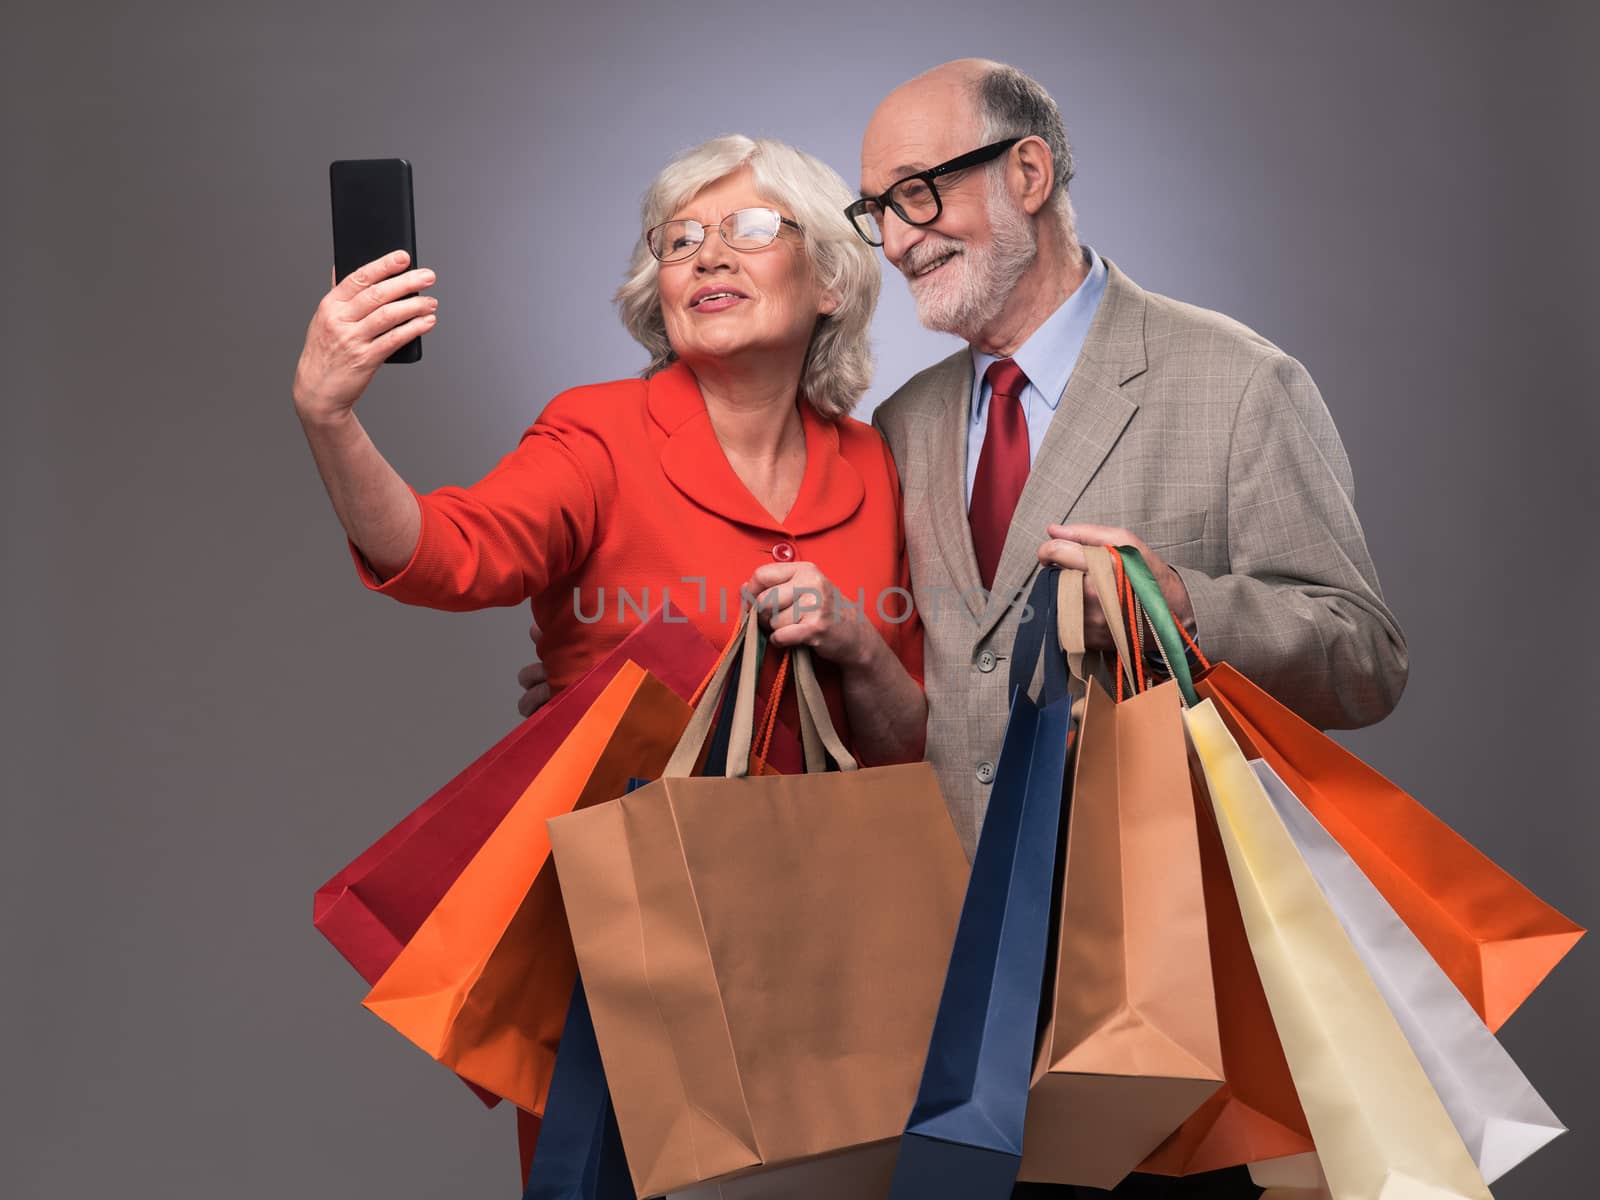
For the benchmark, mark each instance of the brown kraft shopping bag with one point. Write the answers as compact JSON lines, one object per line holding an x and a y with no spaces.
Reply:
{"x":763,"y":957}
{"x":1130,"y":1046}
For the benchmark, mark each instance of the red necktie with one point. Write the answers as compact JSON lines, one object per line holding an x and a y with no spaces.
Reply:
{"x":1002,"y":466}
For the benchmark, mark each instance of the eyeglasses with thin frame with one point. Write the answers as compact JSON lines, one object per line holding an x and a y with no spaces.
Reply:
{"x":915,"y":199}
{"x":743,"y":229}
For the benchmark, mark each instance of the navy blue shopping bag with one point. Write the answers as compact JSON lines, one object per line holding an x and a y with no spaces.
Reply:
{"x":963,"y":1140}
{"x":580,"y":1155}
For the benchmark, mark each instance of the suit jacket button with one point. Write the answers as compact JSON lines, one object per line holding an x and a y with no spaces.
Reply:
{"x":783,"y":552}
{"x":987,"y":661}
{"x":986,"y":772}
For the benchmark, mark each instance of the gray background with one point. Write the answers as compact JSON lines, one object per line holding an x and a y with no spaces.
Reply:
{"x":205,"y":716}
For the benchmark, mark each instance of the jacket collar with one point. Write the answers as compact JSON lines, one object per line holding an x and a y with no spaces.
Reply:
{"x":694,"y":462}
{"x":1095,"y":409}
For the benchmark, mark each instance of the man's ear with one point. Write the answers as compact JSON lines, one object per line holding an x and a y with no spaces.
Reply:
{"x":1032,"y":173}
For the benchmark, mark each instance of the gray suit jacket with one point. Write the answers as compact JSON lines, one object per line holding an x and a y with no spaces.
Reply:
{"x":1206,"y":440}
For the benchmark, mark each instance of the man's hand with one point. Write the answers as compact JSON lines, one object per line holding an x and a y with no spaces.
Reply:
{"x":1065,"y":549}
{"x":532,"y":680}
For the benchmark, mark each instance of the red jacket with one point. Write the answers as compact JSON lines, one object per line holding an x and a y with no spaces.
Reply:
{"x":620,"y":496}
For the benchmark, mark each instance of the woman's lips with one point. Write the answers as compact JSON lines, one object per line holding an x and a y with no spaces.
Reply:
{"x":719,"y":302}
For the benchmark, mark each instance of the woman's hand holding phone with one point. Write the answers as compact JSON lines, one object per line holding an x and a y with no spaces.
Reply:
{"x":363,"y":319}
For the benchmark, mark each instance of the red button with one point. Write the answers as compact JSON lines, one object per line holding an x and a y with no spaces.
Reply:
{"x":783,"y":552}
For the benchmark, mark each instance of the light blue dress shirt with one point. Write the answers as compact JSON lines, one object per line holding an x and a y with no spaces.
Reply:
{"x":1047,"y":359}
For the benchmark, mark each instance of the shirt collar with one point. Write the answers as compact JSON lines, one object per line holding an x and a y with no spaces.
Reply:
{"x":1050,"y":353}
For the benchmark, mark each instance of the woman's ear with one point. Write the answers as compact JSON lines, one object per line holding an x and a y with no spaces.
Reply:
{"x":828,"y":305}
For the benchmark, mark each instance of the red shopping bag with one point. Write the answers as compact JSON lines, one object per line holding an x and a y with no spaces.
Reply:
{"x":484,"y":984}
{"x":371,"y":909}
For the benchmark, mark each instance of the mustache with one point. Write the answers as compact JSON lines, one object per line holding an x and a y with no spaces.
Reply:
{"x":926,"y":252}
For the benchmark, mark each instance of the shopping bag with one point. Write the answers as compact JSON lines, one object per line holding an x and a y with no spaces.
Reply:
{"x":1293,"y":1177}
{"x":1255,"y":1115}
{"x":580,"y":1150}
{"x":860,"y":1174}
{"x":1380,"y":1129}
{"x":1494,"y":938}
{"x":964,"y":1136}
{"x":586,"y":1148}
{"x":1130,"y":1048}
{"x":370,"y":909}
{"x":1490,"y":1101}
{"x":762,"y":956}
{"x":484,"y":983}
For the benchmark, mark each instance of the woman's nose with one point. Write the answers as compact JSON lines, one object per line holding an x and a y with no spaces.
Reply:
{"x":714,"y":253}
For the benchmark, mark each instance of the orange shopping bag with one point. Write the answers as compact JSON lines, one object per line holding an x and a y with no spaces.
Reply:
{"x":484,"y":984}
{"x":1493,"y":937}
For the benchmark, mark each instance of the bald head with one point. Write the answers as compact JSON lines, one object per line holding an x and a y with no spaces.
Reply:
{"x":926,"y":120}
{"x":958,"y":106}
{"x":989,"y":245}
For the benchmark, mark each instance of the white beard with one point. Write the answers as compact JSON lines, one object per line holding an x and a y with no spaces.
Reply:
{"x":969,"y":291}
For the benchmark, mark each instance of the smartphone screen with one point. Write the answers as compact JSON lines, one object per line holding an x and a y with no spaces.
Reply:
{"x":373,"y":216}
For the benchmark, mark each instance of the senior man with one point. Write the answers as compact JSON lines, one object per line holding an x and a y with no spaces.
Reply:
{"x":1087,"y":411}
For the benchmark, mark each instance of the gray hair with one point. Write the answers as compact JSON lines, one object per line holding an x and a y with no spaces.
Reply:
{"x":1012,"y":104}
{"x":838,"y":365}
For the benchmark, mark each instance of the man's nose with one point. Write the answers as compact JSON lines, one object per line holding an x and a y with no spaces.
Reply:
{"x":899,"y":236}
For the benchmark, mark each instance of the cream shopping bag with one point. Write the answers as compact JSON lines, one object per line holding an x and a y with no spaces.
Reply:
{"x":1490,"y":1101}
{"x":1381,"y":1131}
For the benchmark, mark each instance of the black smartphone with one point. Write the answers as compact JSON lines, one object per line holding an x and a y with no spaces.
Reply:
{"x":373,"y":216}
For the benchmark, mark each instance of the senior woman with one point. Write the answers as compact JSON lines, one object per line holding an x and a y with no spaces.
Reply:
{"x":731,"y":465}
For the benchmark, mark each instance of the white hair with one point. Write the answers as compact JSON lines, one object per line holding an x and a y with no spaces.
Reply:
{"x":970,"y":291}
{"x":838,"y":364}
{"x":1012,"y":104}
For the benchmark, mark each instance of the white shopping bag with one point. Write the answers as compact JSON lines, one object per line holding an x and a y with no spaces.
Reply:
{"x":1500,"y":1117}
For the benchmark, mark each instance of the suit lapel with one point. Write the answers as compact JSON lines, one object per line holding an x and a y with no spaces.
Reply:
{"x":949,"y":405}
{"x":1093,"y":412}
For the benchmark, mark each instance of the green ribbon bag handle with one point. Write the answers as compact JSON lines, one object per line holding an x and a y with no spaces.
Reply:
{"x":1165,"y":626}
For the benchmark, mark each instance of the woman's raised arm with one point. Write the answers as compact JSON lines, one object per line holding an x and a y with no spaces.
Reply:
{"x":360,"y":322}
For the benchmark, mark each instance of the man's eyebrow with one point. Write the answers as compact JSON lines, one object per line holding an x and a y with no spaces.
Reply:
{"x":895,"y":176}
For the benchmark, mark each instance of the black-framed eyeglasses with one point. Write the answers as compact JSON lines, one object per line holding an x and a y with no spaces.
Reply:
{"x":743,"y":229}
{"x":915,"y":199}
